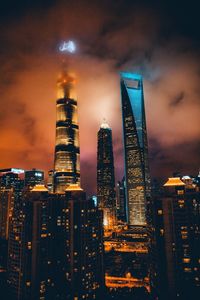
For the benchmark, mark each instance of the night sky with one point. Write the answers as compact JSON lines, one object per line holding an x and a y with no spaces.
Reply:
{"x":158,"y":39}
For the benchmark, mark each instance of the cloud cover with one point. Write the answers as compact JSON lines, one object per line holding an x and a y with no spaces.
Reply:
{"x":110,"y":36}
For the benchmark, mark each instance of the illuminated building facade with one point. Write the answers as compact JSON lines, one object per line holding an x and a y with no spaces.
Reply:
{"x":135,"y":147}
{"x":67,"y":161}
{"x":78,"y":246}
{"x":177,"y":230}
{"x":29,"y":251}
{"x":8,"y":179}
{"x":33,"y":177}
{"x":9,"y":186}
{"x":56,"y":252}
{"x":106,"y":176}
{"x":50,"y":180}
{"x":6,"y":208}
{"x":121,"y":200}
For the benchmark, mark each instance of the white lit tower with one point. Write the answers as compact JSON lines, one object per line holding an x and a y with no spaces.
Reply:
{"x":105,"y":176}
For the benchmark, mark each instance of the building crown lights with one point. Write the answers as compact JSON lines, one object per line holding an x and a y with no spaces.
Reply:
{"x":105,"y":125}
{"x":174,"y":181}
{"x":73,"y":187}
{"x":39,"y":188}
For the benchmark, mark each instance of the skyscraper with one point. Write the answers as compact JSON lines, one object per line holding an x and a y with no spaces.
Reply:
{"x":177,"y":231}
{"x":135,"y":148}
{"x":67,"y":161}
{"x":106,"y":176}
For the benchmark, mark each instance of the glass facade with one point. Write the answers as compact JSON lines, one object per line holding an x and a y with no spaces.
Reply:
{"x":136,"y":149}
{"x":67,"y":162}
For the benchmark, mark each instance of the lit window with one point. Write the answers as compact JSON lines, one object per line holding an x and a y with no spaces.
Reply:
{"x":181,"y":192}
{"x":187,"y":269}
{"x":186,"y":260}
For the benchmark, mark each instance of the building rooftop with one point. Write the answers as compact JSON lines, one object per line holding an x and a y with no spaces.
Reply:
{"x":129,"y":75}
{"x":73,"y":187}
{"x":12,"y":170}
{"x":174,"y":181}
{"x":39,"y":188}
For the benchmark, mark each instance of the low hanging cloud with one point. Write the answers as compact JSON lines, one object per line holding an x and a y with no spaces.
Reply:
{"x":106,"y":44}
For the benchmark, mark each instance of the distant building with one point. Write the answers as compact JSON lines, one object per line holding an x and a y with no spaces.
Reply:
{"x":177,"y":229}
{"x":94,"y":199}
{"x":6,"y":209}
{"x":8,"y":179}
{"x":50,"y":181}
{"x":9,"y":185}
{"x":121,"y":200}
{"x":12,"y":170}
{"x":135,"y":148}
{"x":105,"y":176}
{"x":33,"y":177}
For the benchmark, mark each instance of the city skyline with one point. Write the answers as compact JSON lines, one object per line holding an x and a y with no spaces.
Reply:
{"x":31,"y":65}
{"x":99,"y":106}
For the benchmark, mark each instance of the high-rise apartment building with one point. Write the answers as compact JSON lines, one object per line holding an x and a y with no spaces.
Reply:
{"x":135,"y":148}
{"x":8,"y":178}
{"x":29,"y":247}
{"x":57,"y":253}
{"x":9,"y":186}
{"x":105,"y":176}
{"x":177,"y":232}
{"x":6,"y":208}
{"x":67,"y":161}
{"x":77,"y":246}
{"x":50,"y":180}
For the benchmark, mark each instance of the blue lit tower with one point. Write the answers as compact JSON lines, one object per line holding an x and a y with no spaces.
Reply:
{"x":135,"y":148}
{"x":67,"y":161}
